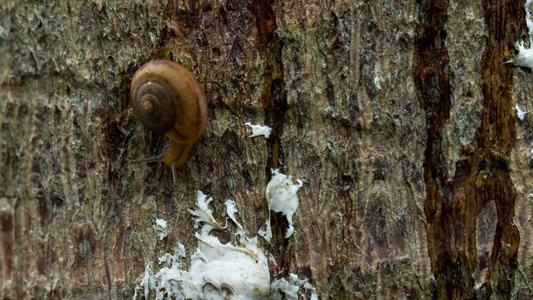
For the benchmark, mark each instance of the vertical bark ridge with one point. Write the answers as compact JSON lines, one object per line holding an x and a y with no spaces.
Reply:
{"x":482,"y":175}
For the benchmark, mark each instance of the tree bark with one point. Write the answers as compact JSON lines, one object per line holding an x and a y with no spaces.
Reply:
{"x":399,"y":117}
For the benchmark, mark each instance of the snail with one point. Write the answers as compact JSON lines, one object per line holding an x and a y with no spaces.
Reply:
{"x":168,"y":99}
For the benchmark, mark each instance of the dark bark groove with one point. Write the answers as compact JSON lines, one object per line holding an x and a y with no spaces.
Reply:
{"x":274,"y":102}
{"x":482,"y":175}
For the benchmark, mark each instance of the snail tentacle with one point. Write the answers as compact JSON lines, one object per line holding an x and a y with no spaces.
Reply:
{"x":158,"y":158}
{"x":173,"y":169}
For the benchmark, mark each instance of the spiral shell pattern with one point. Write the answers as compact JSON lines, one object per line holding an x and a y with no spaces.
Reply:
{"x":168,"y":99}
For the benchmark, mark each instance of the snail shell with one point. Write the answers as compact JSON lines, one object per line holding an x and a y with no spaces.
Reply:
{"x":168,"y":99}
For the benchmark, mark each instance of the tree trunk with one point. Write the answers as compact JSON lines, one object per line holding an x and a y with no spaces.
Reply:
{"x":398,"y":116}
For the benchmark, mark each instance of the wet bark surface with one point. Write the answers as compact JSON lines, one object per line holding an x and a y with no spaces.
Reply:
{"x":482,"y":172}
{"x":398,"y":116}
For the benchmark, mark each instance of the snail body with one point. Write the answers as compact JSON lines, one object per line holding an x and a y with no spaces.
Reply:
{"x":168,"y":99}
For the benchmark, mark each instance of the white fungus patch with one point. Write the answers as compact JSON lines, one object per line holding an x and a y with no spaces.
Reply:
{"x":520,"y":113}
{"x":234,"y":270}
{"x":161,"y":228}
{"x":524,"y":58}
{"x":377,"y":81}
{"x":258,"y":130}
{"x":282,"y":197}
{"x":291,"y":288}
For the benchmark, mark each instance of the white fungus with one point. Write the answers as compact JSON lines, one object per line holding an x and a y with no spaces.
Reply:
{"x":291,"y":288}
{"x":377,"y":81}
{"x":281,"y":196}
{"x":161,"y":228}
{"x":217,"y":271}
{"x":520,"y":113}
{"x":235,"y":270}
{"x":524,"y":58}
{"x":258,"y":130}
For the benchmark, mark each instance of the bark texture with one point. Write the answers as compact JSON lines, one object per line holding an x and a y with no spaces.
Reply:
{"x":398,"y":115}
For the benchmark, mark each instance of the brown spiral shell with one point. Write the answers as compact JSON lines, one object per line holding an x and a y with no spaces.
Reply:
{"x":168,"y":99}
